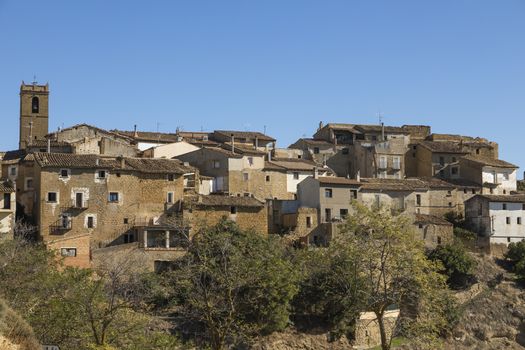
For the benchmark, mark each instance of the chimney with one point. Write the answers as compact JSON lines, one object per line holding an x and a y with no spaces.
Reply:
{"x":135,"y":133}
{"x":270,"y":156}
{"x":48,"y":145}
{"x":256,"y":142}
{"x":358,"y":176}
{"x":233,"y":143}
{"x":316,"y":173}
{"x":320,"y":125}
{"x":122,"y":162}
{"x":97,"y":162}
{"x":382,"y":131}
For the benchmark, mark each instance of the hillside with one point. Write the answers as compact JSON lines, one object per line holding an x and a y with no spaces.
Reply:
{"x":15,"y":333}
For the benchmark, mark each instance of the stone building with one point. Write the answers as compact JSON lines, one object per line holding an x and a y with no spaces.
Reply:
{"x":34,"y":113}
{"x":91,"y":201}
{"x":365,"y":150}
{"x":367,"y":334}
{"x":7,"y":209}
{"x":88,"y":139}
{"x":497,"y":217}
{"x":248,"y":212}
{"x":434,"y":230}
{"x":170,"y":150}
{"x":494,"y":175}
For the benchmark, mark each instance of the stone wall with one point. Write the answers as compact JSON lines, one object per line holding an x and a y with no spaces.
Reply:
{"x":367,"y":333}
{"x":81,"y":243}
{"x":248,"y":218}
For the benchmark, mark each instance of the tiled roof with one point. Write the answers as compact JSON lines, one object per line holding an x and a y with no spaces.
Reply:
{"x":431,"y":219}
{"x":314,"y":142}
{"x":411,"y":184}
{"x":435,"y":183}
{"x":91,"y":161}
{"x":245,"y":134}
{"x":6,"y":186}
{"x":112,"y":132}
{"x":148,"y":136}
{"x":443,"y":147}
{"x":502,"y":198}
{"x":332,"y":180}
{"x":293,"y":164}
{"x":14,"y":156}
{"x":490,"y":162}
{"x":43,"y":143}
{"x":379,"y":128}
{"x":463,"y":183}
{"x":226,"y":201}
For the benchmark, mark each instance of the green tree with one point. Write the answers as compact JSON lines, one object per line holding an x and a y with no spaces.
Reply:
{"x":458,"y":265}
{"x":390,"y":269}
{"x":516,"y":256}
{"x":236,"y":284}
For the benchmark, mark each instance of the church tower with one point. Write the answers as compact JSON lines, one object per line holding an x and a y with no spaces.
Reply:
{"x":34,"y":113}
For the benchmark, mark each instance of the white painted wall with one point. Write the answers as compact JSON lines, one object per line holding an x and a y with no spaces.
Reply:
{"x":506,"y":178}
{"x":501,"y":232}
{"x":171,"y":150}
{"x":291,"y":183}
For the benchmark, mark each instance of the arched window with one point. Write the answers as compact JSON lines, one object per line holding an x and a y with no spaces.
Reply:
{"x":34,"y":105}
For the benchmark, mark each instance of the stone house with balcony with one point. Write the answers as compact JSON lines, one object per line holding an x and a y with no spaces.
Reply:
{"x":242,"y":171}
{"x":87,"y":201}
{"x":7,"y":209}
{"x":499,"y":218}
{"x":352,"y":150}
{"x":495,"y":176}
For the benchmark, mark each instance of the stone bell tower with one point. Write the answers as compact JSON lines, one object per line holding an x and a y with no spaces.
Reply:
{"x":34,"y":113}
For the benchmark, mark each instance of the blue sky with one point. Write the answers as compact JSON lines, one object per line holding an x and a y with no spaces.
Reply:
{"x":456,"y":65}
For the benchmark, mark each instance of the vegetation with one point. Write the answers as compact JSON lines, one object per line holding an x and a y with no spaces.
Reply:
{"x":458,"y":265}
{"x":516,"y":256}
{"x":233,"y":286}
{"x":521,"y":185}
{"x":16,"y":330}
{"x":462,"y":230}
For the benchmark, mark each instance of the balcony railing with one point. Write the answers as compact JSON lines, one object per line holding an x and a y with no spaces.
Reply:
{"x":61,"y":227}
{"x":84,"y":204}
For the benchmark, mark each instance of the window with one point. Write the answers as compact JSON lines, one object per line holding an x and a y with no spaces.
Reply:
{"x":343,"y":213}
{"x":12,"y":171}
{"x":465,"y":191}
{"x":267,"y":178}
{"x":450,"y":204}
{"x":414,"y":147}
{"x":397,"y":163}
{"x":328,"y":215}
{"x":382,"y":174}
{"x":171,"y":177}
{"x":353,"y":194}
{"x":295,"y":175}
{"x":519,"y":221}
{"x":453,"y":159}
{"x":413,"y":155}
{"x":250,"y":161}
{"x":52,"y":197}
{"x":7,"y":200}
{"x":68,"y":252}
{"x":233,"y":210}
{"x":508,"y":220}
{"x":79,"y":200}
{"x":170,"y":198}
{"x":441,"y":160}
{"x":473,"y":191}
{"x":29,"y":184}
{"x":308,"y":222}
{"x":113,"y":197}
{"x":420,"y":225}
{"x":245,"y":176}
{"x":449,"y":193}
{"x":35,"y":105}
{"x":216,"y":164}
{"x":90,"y":222}
{"x":454,"y":170}
{"x":101,"y":174}
{"x":126,"y":221}
{"x":504,"y":206}
{"x":418,"y":200}
{"x":439,"y":240}
{"x":523,"y":206}
{"x":345,"y":151}
{"x":477,"y":151}
{"x":328,"y":193}
{"x":382,"y":162}
{"x":64,"y":173}
{"x":316,"y":150}
{"x":118,"y":174}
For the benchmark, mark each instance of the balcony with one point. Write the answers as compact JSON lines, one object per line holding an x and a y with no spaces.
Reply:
{"x":79,"y":204}
{"x":61,"y":226}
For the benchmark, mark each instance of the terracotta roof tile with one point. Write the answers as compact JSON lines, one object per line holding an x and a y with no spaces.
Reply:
{"x":293,"y":164}
{"x":91,"y":161}
{"x":6,"y":186}
{"x":431,"y":219}
{"x":332,"y":180}
{"x":245,"y":134}
{"x":502,"y":198}
{"x":226,"y":201}
{"x":490,"y":162}
{"x":443,"y":147}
